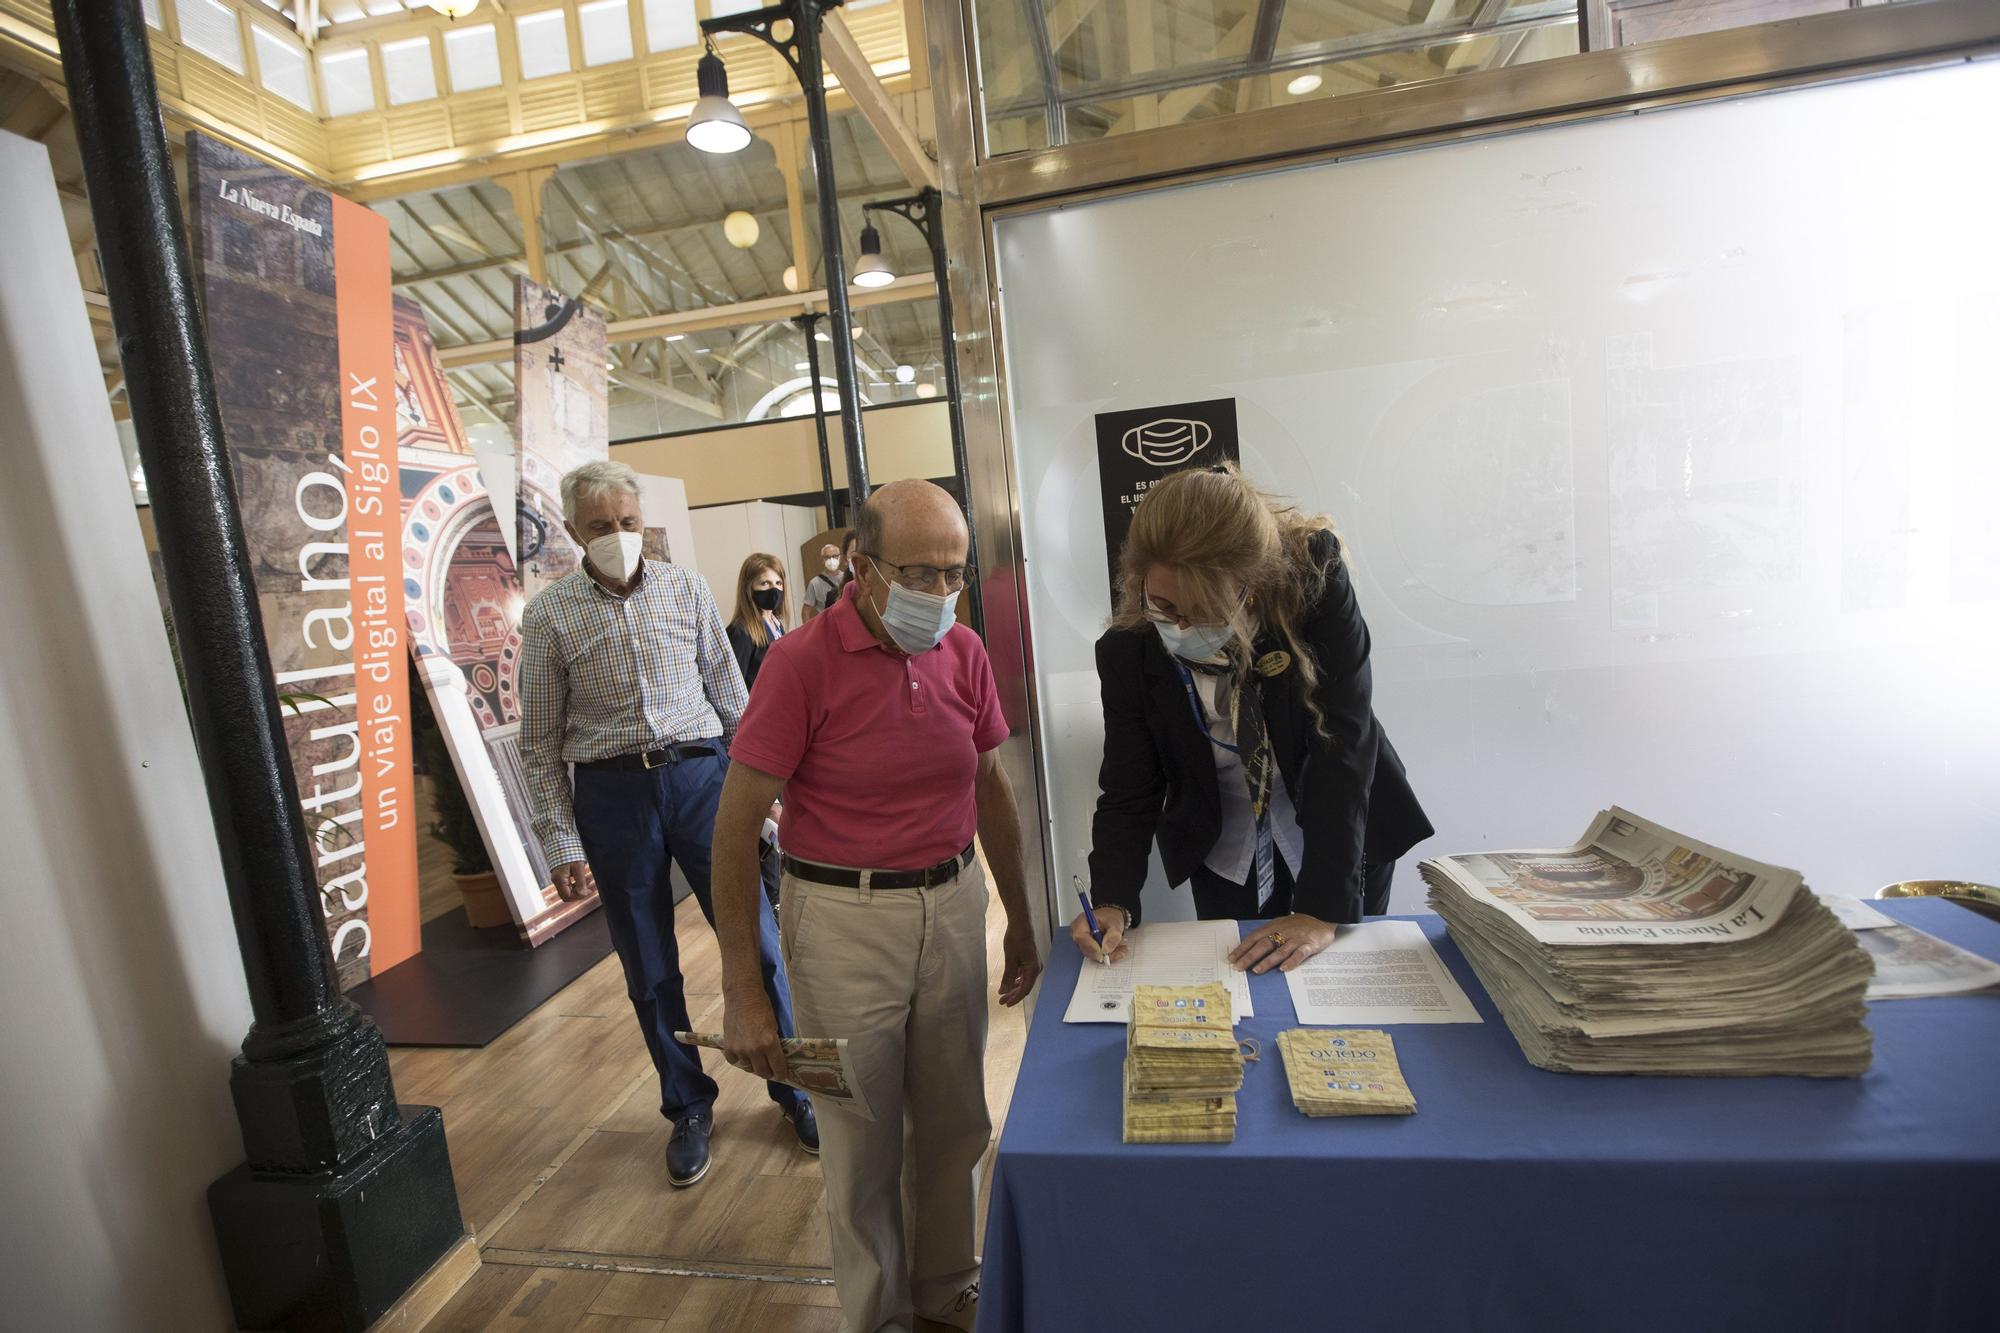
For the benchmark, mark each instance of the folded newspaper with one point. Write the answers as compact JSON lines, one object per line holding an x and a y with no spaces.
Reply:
{"x":815,"y":1065}
{"x":1182,"y":1066}
{"x":1345,"y":1071}
{"x":1641,"y":951}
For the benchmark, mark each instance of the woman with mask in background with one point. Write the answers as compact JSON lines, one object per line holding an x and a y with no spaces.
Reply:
{"x":1239,"y":730}
{"x":761,"y":613}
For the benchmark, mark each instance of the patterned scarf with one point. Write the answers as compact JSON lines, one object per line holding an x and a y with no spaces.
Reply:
{"x":1240,"y":697}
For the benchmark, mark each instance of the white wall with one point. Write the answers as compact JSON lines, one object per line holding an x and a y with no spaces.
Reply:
{"x":725,"y":534}
{"x":119,"y":978}
{"x":1664,"y":446}
{"x":663,"y":504}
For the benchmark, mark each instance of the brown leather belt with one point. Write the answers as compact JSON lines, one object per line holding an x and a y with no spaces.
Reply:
{"x":944,"y":872}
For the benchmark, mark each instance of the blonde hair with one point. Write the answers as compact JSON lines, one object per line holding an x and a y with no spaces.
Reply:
{"x":748,"y":618}
{"x":1241,"y":555}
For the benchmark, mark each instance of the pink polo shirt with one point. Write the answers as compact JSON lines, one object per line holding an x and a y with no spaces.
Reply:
{"x":878,"y":749}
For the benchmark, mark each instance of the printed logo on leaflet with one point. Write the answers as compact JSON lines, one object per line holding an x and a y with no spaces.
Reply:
{"x":1168,"y":441}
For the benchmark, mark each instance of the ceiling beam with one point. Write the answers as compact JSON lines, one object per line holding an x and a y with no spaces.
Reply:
{"x":666,"y":393}
{"x":845,"y":59}
{"x":787,"y":142}
{"x":469,"y":163}
{"x":913,"y":288}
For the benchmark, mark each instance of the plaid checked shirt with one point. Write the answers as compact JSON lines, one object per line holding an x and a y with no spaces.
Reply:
{"x":603,"y":675}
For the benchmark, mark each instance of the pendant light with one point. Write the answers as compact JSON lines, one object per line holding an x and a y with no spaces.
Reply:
{"x":871,"y":270}
{"x":715,"y":125}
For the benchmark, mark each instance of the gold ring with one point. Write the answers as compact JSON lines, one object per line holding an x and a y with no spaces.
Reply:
{"x":1277,"y":938}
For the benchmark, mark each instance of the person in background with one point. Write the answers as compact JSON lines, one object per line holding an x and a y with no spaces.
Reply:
{"x":1239,"y":729}
{"x":836,"y":568}
{"x":880,"y":721}
{"x":760,"y":615}
{"x":758,"y":623}
{"x":626,"y":673}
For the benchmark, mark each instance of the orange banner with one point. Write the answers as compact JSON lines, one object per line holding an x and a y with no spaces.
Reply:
{"x":374,"y":527}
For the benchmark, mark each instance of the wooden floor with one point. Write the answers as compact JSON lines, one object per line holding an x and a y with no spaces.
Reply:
{"x":559,"y":1150}
{"x":437,"y":893}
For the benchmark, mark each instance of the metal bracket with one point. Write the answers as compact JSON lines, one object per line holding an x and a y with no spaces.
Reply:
{"x":761,"y":24}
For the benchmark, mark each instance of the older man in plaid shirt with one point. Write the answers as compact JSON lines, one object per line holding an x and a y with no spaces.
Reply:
{"x":626,"y":673}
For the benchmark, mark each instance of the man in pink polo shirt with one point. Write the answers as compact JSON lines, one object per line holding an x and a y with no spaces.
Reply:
{"x":880,"y":722}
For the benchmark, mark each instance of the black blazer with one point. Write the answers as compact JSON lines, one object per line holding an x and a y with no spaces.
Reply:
{"x":1158,"y":779}
{"x":749,"y":653}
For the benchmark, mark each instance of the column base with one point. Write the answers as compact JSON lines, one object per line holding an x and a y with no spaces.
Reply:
{"x":334,"y":1252}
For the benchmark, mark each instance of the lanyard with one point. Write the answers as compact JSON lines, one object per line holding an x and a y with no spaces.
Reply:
{"x":1194,"y":703}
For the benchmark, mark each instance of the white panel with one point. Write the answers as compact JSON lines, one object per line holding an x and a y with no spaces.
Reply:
{"x":723,"y":8}
{"x":281,"y":67}
{"x":1663,"y":448}
{"x":722,"y":537}
{"x":544,"y":43}
{"x":472,"y":58}
{"x":663,"y":503}
{"x":671,"y":25}
{"x":606,"y":27}
{"x":151,"y":8}
{"x":499,"y":473}
{"x":209,"y":26}
{"x":119,"y":971}
{"x":407,"y":71}
{"x":344,"y":77}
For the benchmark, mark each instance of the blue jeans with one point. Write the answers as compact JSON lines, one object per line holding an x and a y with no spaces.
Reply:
{"x":631,"y":823}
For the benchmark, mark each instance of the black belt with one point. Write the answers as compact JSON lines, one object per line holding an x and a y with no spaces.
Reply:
{"x":944,"y":872}
{"x":660,"y":758}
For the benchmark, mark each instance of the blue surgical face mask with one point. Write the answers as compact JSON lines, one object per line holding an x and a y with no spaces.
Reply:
{"x":1196,"y":643}
{"x":918,"y":621}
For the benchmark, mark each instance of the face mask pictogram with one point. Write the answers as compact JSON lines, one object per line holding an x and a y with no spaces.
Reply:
{"x":1168,"y":441}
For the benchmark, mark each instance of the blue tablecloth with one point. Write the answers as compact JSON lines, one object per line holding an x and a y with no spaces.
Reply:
{"x":1515,"y":1198}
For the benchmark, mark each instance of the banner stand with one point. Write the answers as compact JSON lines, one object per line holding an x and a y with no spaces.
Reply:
{"x":538,"y":911}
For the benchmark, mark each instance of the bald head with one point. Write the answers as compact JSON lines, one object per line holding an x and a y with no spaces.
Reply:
{"x":912,"y":523}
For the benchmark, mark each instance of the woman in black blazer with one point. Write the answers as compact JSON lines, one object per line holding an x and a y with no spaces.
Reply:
{"x":1239,"y":732}
{"x":760,"y":613}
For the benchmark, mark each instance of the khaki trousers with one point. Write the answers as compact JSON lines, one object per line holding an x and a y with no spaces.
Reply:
{"x":901,"y":974}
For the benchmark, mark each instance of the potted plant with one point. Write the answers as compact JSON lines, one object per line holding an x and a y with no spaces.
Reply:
{"x":458,"y":829}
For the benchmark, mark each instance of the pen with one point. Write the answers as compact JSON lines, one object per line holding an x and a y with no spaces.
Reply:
{"x":1096,"y":931}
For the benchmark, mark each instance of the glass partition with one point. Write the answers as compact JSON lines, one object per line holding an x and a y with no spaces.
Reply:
{"x":1662,"y":459}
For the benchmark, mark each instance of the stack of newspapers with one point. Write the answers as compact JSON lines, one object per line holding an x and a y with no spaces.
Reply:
{"x":1182,"y":1066}
{"x":1344,"y":1071}
{"x":1641,"y":951}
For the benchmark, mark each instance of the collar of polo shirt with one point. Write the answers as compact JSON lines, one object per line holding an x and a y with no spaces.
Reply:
{"x":853,"y":630}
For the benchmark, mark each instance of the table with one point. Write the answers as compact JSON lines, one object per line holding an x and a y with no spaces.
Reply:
{"x":1515,"y":1198}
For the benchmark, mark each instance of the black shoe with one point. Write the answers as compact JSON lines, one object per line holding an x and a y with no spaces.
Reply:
{"x":805,"y":1124}
{"x":687,"y":1150}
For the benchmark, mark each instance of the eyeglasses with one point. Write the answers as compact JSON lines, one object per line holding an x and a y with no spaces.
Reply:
{"x":1158,"y":616}
{"x":922,"y":578}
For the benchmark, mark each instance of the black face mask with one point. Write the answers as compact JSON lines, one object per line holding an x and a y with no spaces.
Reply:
{"x":767,"y":599}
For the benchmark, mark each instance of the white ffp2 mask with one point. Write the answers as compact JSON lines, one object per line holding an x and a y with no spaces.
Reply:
{"x":616,"y":554}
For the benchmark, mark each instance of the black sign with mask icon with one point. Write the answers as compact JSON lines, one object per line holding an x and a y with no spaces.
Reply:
{"x":1136,"y":448}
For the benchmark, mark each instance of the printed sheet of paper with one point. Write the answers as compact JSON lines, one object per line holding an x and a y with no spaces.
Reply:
{"x":817,"y":1067}
{"x":1170,"y":953}
{"x":1377,"y":973}
{"x":1910,"y":964}
{"x":1854,"y":913}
